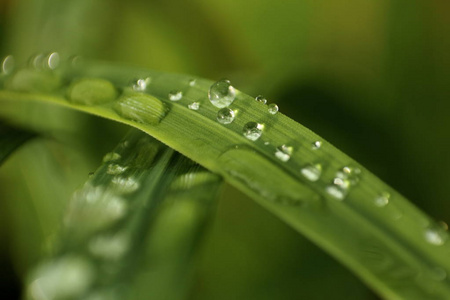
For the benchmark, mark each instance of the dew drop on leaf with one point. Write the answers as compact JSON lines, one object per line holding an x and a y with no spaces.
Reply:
{"x":272,"y":108}
{"x":192,"y":82}
{"x":140,"y":85}
{"x":382,"y":200}
{"x":7,"y":65}
{"x":111,"y":156}
{"x":221,"y":94}
{"x":435,"y":236}
{"x":261,"y":99}
{"x":252,"y":130}
{"x":194,"y":106}
{"x":175,"y":95}
{"x":91,"y":91}
{"x":283,"y":153}
{"x":312,"y":172}
{"x":225,"y":115}
{"x":115,"y":169}
{"x":316,"y":145}
{"x":141,"y":108}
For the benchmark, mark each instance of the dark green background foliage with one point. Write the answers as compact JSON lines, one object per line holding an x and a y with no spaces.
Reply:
{"x":372,"y":77}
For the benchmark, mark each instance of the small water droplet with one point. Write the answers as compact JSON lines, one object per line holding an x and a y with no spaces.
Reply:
{"x":111,"y":156}
{"x":261,"y":99}
{"x":253,"y":130}
{"x":435,"y":236}
{"x":345,"y":178}
{"x":336,"y":192}
{"x":312,"y":172}
{"x":175,"y":95}
{"x":283,"y":153}
{"x":194,"y":106}
{"x":110,"y":247}
{"x":67,"y":277}
{"x":91,"y":91}
{"x":221,"y":94}
{"x":192,"y":82}
{"x":382,"y":200}
{"x":266,"y":143}
{"x":316,"y":145}
{"x":53,"y":60}
{"x":272,"y":108}
{"x":142,"y":108}
{"x":115,"y":169}
{"x":225,"y":115}
{"x":8,"y":64}
{"x":140,"y":85}
{"x":125,"y":185}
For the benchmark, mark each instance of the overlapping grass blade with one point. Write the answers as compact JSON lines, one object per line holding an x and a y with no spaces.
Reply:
{"x":12,"y":138}
{"x":101,"y":250}
{"x":311,"y":185}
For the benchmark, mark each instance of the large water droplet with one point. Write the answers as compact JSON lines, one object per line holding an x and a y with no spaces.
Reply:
{"x":111,"y":156}
{"x":225,"y":115}
{"x":194,"y":106}
{"x":261,"y":99}
{"x":91,"y":91}
{"x":141,"y":108}
{"x":8,"y":65}
{"x":109,"y":247}
{"x":125,"y":185}
{"x":283,"y":153}
{"x":272,"y":108}
{"x":64,"y":278}
{"x":252,"y":130}
{"x":115,"y":169}
{"x":221,"y":94}
{"x":140,"y":85}
{"x":435,"y":236}
{"x":312,"y":172}
{"x":382,"y":200}
{"x":175,"y":95}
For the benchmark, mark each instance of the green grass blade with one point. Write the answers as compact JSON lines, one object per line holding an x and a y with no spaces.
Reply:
{"x":103,"y":239}
{"x":394,"y":247}
{"x":12,"y":138}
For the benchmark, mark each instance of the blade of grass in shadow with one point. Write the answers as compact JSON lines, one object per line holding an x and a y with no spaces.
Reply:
{"x":12,"y":138}
{"x":295,"y":174}
{"x":101,"y":245}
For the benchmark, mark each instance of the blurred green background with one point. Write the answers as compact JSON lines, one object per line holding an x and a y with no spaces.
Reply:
{"x":372,"y":77}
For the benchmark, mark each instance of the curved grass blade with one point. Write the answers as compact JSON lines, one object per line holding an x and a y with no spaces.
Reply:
{"x":321,"y":192}
{"x":102,"y":243}
{"x":12,"y":138}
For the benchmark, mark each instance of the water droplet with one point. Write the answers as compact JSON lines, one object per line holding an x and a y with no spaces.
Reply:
{"x":29,"y":80}
{"x":63,"y":278}
{"x":91,"y":91}
{"x":221,"y":94}
{"x":194,"y":106}
{"x":312,"y":172}
{"x":53,"y":60}
{"x":125,"y":185}
{"x":140,"y":85}
{"x":272,"y":108}
{"x":382,"y":200}
{"x":175,"y":95}
{"x":266,"y":143}
{"x":435,"y":236}
{"x":141,"y":108}
{"x":253,"y":130}
{"x":93,"y":208}
{"x":225,"y":115}
{"x":345,"y":178}
{"x":261,"y":99}
{"x":115,"y":169}
{"x":8,"y":65}
{"x":110,"y":247}
{"x":283,"y":153}
{"x":192,"y":82}
{"x":111,"y":156}
{"x":316,"y":145}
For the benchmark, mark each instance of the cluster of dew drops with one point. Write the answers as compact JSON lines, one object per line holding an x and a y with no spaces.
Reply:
{"x":222,"y":94}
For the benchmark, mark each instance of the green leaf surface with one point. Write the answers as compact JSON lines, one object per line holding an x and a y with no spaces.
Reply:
{"x":295,"y":174}
{"x":141,"y":189}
